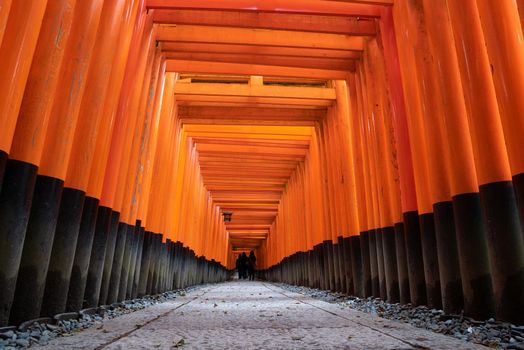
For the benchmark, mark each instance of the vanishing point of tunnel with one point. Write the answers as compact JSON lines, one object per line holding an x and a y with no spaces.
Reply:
{"x":359,"y":159}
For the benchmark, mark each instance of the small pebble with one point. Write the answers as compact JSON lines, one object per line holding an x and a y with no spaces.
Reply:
{"x":22,"y":342}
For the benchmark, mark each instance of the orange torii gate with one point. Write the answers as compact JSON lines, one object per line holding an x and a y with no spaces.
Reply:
{"x":354,"y":142}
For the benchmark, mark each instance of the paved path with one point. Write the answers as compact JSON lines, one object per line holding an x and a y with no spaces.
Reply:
{"x":253,"y":315}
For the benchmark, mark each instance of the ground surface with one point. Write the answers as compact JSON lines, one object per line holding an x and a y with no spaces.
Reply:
{"x":253,"y":315}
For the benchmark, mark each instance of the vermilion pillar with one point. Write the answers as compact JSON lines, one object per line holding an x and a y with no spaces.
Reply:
{"x":135,"y":69}
{"x":57,"y":150}
{"x":16,"y":52}
{"x":369,"y":237}
{"x":357,"y":264}
{"x":505,"y":47}
{"x":27,"y":148}
{"x":468,"y":216}
{"x":419,"y":154}
{"x":82,"y":154}
{"x":367,"y":289}
{"x":105,"y":131}
{"x":438,"y":166}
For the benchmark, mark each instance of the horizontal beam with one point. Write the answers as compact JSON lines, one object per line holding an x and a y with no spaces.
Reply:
{"x":261,"y":130}
{"x":362,"y":8}
{"x":242,"y":104}
{"x":241,"y":136}
{"x":252,"y":142}
{"x":206,"y":67}
{"x":269,"y":60}
{"x":188,"y":98}
{"x":245,"y":121}
{"x":258,"y":50}
{"x":257,"y":143}
{"x":234,"y":226}
{"x":250,"y":36}
{"x":269,"y":20}
{"x":244,"y":90}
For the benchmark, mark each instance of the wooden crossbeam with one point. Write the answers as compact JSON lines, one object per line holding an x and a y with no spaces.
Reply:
{"x":268,"y":50}
{"x":209,"y":67}
{"x":268,"y":60}
{"x":264,"y":91}
{"x":250,"y":36}
{"x":269,"y":20}
{"x":362,"y":8}
{"x":254,"y":130}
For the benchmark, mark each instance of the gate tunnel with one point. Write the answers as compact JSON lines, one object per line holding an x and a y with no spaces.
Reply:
{"x":371,"y":147}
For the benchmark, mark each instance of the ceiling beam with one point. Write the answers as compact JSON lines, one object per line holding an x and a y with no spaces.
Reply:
{"x":250,"y":36}
{"x":244,"y":90}
{"x":269,"y":20}
{"x":362,"y":8}
{"x":268,"y":60}
{"x":258,"y":50}
{"x":260,"y":130}
{"x":245,"y":121}
{"x":186,"y":99}
{"x":206,"y":67}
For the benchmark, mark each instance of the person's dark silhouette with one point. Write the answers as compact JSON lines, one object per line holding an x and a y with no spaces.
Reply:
{"x":242,"y":271}
{"x":252,"y":263}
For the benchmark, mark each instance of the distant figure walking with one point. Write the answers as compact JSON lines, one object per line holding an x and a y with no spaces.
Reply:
{"x":252,"y":263}
{"x":242,"y":266}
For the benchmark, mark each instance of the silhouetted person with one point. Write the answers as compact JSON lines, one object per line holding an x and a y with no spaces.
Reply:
{"x":243,"y":266}
{"x":251,"y":264}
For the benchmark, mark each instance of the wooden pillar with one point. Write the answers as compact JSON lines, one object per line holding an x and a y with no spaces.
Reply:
{"x":505,"y":244}
{"x":463,"y":180}
{"x":57,"y":151}
{"x":26,"y":151}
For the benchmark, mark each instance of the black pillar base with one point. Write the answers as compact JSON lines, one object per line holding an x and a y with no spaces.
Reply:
{"x":380,"y":265}
{"x":417,"y":284}
{"x":146,"y":260}
{"x":518,"y":186}
{"x":98,"y":254}
{"x":373,"y":263}
{"x":38,"y":243}
{"x":430,"y":258}
{"x":449,"y":267}
{"x":15,"y":206}
{"x":63,"y":252}
{"x":349,"y":287}
{"x":473,"y":256}
{"x":124,"y":274}
{"x":132,"y":260}
{"x":323,"y":278}
{"x":116,"y":268}
{"x":109,"y":256}
{"x":390,"y":264}
{"x":356,"y":265}
{"x":77,"y":285}
{"x":367,"y":290}
{"x":506,"y":249}
{"x":402,"y":264}
{"x":328,"y":264}
{"x":138,"y":263}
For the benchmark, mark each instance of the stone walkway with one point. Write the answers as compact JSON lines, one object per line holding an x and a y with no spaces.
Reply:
{"x":253,"y":315}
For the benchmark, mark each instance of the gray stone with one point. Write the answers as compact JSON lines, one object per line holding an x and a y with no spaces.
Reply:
{"x":22,"y":342}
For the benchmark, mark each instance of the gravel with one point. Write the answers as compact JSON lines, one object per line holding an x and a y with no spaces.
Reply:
{"x":41,"y":333}
{"x":491,"y":333}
